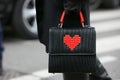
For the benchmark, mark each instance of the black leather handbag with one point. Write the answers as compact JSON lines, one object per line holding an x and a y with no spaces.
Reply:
{"x":72,"y":50}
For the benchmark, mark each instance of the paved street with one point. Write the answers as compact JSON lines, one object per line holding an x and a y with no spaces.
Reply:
{"x":27,"y":59}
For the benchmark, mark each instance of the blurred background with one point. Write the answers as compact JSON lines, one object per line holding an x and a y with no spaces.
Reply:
{"x":25,"y":57}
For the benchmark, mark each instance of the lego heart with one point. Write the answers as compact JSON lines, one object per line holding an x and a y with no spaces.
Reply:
{"x":72,"y":42}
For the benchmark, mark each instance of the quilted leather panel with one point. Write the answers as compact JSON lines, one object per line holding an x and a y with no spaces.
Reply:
{"x":57,"y":45}
{"x":72,"y":63}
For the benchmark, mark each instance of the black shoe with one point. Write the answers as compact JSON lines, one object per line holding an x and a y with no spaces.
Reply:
{"x":92,"y":77}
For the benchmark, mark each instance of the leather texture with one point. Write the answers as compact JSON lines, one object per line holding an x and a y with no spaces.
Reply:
{"x":81,"y":59}
{"x":72,"y":63}
{"x":87,"y":45}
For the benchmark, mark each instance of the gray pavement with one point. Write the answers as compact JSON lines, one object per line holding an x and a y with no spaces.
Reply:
{"x":27,"y":59}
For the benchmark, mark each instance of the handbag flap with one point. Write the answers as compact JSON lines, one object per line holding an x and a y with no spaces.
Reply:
{"x":72,"y":40}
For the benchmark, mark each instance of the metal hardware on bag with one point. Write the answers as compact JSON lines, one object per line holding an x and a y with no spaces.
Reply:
{"x":83,"y":25}
{"x":60,"y":25}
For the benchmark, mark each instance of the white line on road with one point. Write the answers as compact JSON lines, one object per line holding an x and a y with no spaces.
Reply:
{"x":110,"y":14}
{"x":107,"y":59}
{"x":39,"y":75}
{"x":43,"y":73}
{"x":107,"y":26}
{"x":105,"y":45}
{"x":27,"y":77}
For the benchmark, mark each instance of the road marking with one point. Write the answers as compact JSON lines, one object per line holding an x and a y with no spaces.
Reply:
{"x":27,"y":77}
{"x":107,"y":59}
{"x":108,"y":44}
{"x":106,"y":26}
{"x":44,"y":73}
{"x":106,"y":14}
{"x":39,"y":75}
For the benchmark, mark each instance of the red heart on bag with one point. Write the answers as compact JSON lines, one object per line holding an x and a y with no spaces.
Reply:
{"x":72,"y":42}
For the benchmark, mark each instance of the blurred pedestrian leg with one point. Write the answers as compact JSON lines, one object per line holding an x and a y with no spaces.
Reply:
{"x":101,"y":73}
{"x":1,"y":47}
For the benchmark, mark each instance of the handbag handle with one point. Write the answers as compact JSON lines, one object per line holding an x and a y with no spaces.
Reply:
{"x":60,"y":25}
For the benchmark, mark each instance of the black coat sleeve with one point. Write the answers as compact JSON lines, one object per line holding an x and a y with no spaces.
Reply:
{"x":39,"y":17}
{"x":51,"y":12}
